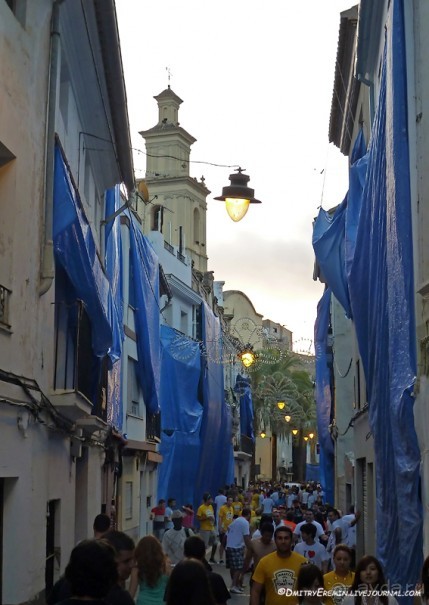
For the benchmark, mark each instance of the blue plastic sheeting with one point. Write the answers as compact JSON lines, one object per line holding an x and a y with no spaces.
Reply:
{"x":324,"y":396}
{"x":382,"y":297}
{"x":216,"y":443}
{"x":357,"y":176}
{"x":181,"y":416}
{"x":145,"y":271}
{"x":329,"y":248}
{"x":243,"y":389}
{"x":76,"y":252}
{"x":312,"y":473}
{"x":114,"y":270}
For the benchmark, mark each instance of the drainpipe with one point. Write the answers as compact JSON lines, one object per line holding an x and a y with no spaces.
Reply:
{"x":47,"y":270}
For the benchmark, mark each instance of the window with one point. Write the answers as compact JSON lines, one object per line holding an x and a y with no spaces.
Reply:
{"x":134,"y":395}
{"x":128,"y":500}
{"x":184,"y":322}
{"x":196,"y":226}
{"x":4,"y":306}
{"x":157,"y":218}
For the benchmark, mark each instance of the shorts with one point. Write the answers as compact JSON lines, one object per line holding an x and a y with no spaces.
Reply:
{"x":235,"y":558}
{"x":209,"y":537}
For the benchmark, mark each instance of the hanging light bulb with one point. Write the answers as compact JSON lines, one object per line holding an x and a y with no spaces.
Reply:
{"x":281,"y":405}
{"x":311,"y":435}
{"x":263,"y":435}
{"x":288,"y":418}
{"x":306,"y":438}
{"x":295,"y":432}
{"x":237,"y":196}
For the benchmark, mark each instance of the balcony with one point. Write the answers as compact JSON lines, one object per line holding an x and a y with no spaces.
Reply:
{"x":153,"y":427}
{"x":243,"y":447}
{"x":80,"y":378}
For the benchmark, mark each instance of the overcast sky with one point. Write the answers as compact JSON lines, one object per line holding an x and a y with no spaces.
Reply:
{"x":256,"y":80}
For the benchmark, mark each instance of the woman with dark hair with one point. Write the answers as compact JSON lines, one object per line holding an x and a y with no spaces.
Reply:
{"x":338,"y":582}
{"x":369,"y":577}
{"x":150,"y":573}
{"x":189,"y":585}
{"x":308,"y":583}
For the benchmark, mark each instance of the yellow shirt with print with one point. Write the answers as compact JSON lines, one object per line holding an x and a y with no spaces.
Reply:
{"x":226,"y":517}
{"x":206,"y":513}
{"x":278,"y":574}
{"x":238,"y":507}
{"x":338,"y":585}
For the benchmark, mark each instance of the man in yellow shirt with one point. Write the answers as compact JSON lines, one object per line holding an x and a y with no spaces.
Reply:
{"x":277,"y":572}
{"x":226,"y":517}
{"x":206,"y":517}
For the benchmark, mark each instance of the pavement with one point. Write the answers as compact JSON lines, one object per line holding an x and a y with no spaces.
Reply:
{"x":236,"y":599}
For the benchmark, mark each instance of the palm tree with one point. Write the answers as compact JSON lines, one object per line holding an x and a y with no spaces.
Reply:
{"x":276,"y":378}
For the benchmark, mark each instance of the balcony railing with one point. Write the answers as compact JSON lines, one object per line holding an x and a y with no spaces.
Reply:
{"x":153,"y":427}
{"x":4,"y":306}
{"x":181,"y":257}
{"x":243,"y":443}
{"x":76,"y":368}
{"x":168,"y":247}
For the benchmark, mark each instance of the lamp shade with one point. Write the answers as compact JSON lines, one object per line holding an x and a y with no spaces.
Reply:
{"x":238,"y":195}
{"x":281,"y":405}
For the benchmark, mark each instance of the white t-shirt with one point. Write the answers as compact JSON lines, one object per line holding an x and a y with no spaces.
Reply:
{"x":268,"y":505}
{"x":219,"y":501}
{"x":351,"y":530}
{"x":315,"y":553}
{"x":319,"y":529}
{"x":236,"y":531}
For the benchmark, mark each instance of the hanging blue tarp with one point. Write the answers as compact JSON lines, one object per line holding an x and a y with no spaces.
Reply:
{"x":75,"y":250}
{"x":382,"y":299}
{"x":323,"y":396}
{"x":334,"y":235}
{"x":244,"y":392}
{"x":181,"y":415}
{"x":328,"y":245}
{"x":114,"y":270}
{"x":312,"y":473}
{"x":216,"y":435}
{"x":145,"y":271}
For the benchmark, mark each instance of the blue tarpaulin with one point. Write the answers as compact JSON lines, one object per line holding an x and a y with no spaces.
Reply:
{"x":181,"y":415}
{"x":329,"y":248}
{"x":216,"y":443}
{"x":324,"y":396}
{"x":382,"y":299}
{"x":114,"y":270}
{"x":312,"y":473}
{"x":75,"y":250}
{"x":145,"y":272}
{"x":243,"y":389}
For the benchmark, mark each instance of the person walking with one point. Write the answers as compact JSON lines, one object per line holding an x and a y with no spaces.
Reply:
{"x":205,"y":515}
{"x":338,"y":581}
{"x":194,"y":549}
{"x":151,"y":572}
{"x":237,"y":537}
{"x":189,"y":585}
{"x":277,"y":572}
{"x":174,"y":539}
{"x":369,"y":580}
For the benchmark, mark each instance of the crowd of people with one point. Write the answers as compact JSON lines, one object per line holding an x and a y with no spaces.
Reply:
{"x":295,"y":546}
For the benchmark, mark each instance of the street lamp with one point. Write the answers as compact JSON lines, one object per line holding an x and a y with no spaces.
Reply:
{"x":281,"y":404}
{"x":288,"y":418}
{"x":306,"y":438}
{"x":237,"y":196}
{"x":263,"y":434}
{"x":311,"y":435}
{"x":295,"y":432}
{"x":247,"y":356}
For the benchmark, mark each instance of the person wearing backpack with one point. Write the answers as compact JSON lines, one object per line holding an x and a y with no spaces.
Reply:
{"x":174,"y":539}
